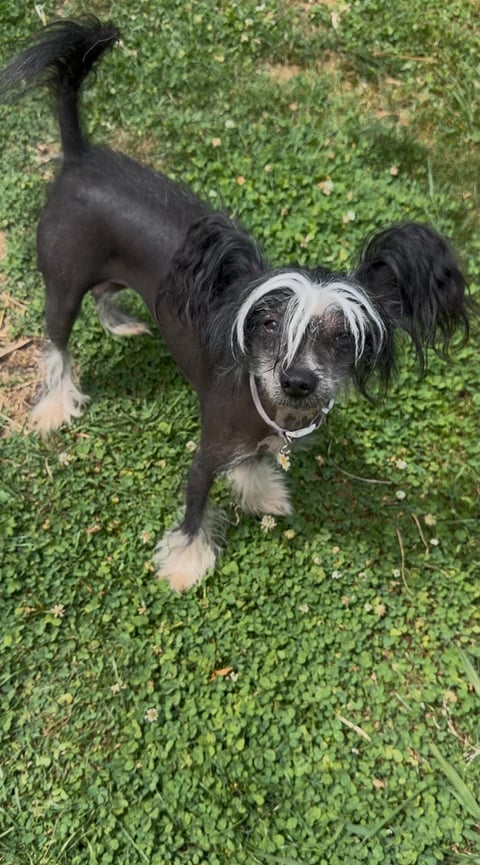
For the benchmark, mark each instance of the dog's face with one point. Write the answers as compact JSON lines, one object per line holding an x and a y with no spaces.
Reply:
{"x":303,"y":341}
{"x":323,"y":362}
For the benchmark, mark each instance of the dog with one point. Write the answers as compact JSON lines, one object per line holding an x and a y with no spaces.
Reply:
{"x":266,"y":348}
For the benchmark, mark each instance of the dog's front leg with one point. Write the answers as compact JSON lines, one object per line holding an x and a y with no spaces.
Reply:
{"x":260,"y":487}
{"x":187,"y":552}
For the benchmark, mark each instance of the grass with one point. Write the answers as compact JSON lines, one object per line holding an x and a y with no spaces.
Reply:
{"x":316,"y":700}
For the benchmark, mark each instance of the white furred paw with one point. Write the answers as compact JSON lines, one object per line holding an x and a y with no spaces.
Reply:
{"x":260,"y":487}
{"x":62,"y":400}
{"x":183,"y":561}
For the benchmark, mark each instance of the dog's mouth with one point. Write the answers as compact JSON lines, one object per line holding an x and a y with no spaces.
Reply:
{"x":296,"y":417}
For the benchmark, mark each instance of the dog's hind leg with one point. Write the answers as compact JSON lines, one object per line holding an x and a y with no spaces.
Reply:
{"x":61,"y":398}
{"x":260,"y":487}
{"x":112,"y":316}
{"x":186,"y":553}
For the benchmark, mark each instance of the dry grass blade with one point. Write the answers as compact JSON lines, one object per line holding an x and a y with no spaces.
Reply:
{"x":15,"y":346}
{"x":355,"y":727}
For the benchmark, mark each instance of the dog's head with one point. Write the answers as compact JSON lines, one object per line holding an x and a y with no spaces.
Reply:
{"x":303,"y":334}
{"x":304,"y":339}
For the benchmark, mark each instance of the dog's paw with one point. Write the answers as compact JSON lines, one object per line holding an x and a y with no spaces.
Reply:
{"x":183,"y":561}
{"x":58,"y":407}
{"x":61,"y":399}
{"x":114,"y":319}
{"x":260,"y":488}
{"x":130,"y":327}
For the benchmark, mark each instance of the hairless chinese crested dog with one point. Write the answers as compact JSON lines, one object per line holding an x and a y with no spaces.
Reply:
{"x":266,"y":347}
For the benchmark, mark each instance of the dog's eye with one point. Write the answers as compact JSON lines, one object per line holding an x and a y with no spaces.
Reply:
{"x":270,"y":325}
{"x":343,"y":337}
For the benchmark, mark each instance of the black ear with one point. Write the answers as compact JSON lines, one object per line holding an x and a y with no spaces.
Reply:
{"x":410,"y":272}
{"x":215,"y":255}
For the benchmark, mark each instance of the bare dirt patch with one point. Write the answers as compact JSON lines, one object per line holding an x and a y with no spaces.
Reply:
{"x":19,"y":373}
{"x":283,"y":73}
{"x":19,"y":381}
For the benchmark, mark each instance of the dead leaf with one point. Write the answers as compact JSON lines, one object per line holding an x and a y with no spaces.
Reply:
{"x":225,"y":671}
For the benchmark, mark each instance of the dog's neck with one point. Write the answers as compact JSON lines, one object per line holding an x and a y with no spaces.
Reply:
{"x":287,"y":435}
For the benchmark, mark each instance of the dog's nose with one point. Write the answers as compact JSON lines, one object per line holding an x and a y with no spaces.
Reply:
{"x":297,"y":383}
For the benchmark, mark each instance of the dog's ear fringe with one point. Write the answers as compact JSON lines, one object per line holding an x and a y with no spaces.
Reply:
{"x":411,"y":273}
{"x":211,"y":270}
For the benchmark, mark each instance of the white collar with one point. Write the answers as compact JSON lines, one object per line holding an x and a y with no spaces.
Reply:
{"x":287,"y":435}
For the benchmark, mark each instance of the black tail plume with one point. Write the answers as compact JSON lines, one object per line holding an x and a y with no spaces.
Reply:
{"x":411,"y":272}
{"x":60,"y":56}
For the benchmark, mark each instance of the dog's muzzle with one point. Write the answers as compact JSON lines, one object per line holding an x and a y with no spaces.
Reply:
{"x":287,"y":435}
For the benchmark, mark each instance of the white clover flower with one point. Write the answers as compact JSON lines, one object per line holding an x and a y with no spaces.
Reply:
{"x":267,"y":523}
{"x":400,"y":495}
{"x":151,"y":715}
{"x":336,"y":575}
{"x":117,"y":687}
{"x":430,"y":520}
{"x":326,"y":186}
{"x":58,"y":611}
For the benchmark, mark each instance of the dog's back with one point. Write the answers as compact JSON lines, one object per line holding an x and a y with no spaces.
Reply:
{"x":114,"y":219}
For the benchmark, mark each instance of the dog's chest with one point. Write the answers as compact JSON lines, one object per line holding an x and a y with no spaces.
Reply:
{"x":288,"y":420}
{"x":271,"y":444}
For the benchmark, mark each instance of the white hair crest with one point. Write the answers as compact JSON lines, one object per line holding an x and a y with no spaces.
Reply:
{"x":310,"y":300}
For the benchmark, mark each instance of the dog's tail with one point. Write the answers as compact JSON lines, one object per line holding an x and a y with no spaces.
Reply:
{"x":61,"y":55}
